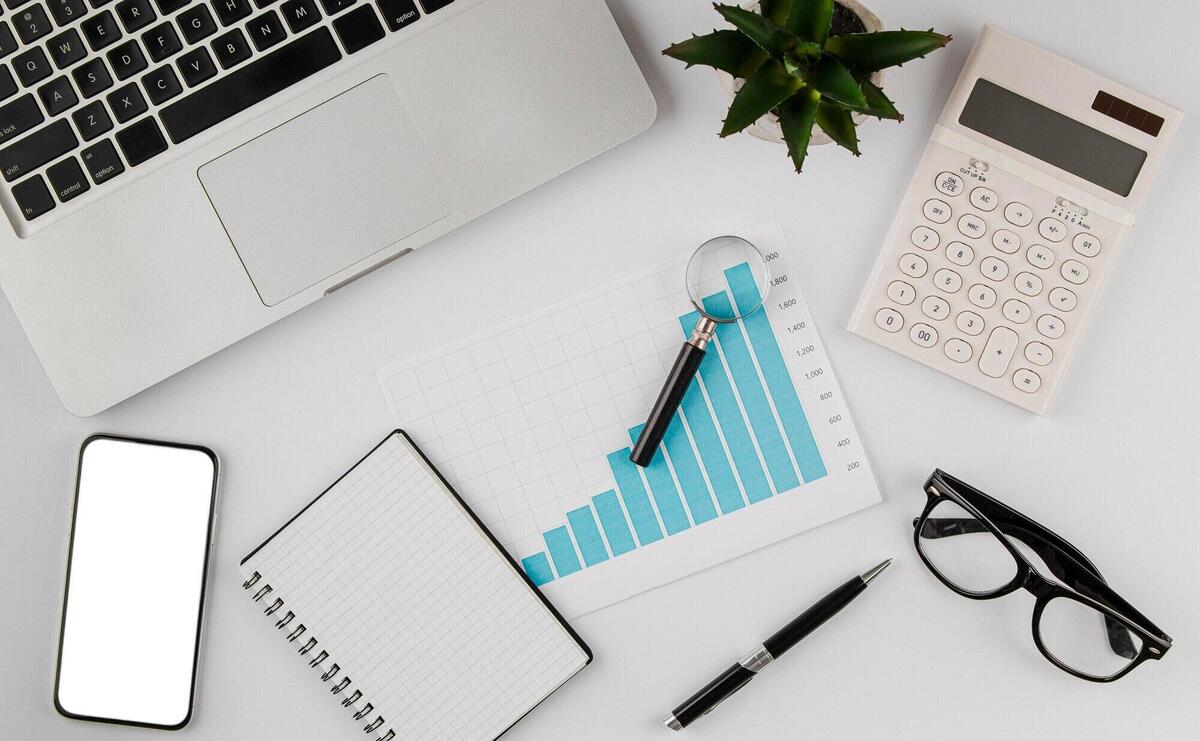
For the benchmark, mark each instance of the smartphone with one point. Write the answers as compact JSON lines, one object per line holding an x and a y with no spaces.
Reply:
{"x":141,"y":534}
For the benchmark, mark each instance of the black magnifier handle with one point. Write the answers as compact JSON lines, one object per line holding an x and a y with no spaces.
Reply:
{"x":678,"y":380}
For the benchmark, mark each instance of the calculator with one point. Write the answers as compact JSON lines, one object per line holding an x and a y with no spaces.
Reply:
{"x":1013,"y":220}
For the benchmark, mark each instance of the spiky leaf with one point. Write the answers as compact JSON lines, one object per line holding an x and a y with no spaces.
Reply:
{"x":878,"y":104}
{"x":837,"y":122}
{"x":773,"y":39}
{"x":798,"y":60}
{"x":796,"y":117}
{"x":769,"y":86}
{"x":810,"y":19}
{"x":836,"y":83}
{"x":868,"y":52}
{"x":726,"y":50}
{"x":776,"y":10}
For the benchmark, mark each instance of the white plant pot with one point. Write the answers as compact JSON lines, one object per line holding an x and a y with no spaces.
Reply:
{"x":767,"y":128}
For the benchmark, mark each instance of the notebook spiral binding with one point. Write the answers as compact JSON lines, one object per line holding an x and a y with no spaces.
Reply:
{"x":293,"y":635}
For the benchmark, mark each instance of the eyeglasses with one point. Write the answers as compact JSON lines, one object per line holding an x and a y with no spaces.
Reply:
{"x":970,"y":542}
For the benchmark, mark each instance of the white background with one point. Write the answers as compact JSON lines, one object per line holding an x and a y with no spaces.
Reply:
{"x":1113,"y":468}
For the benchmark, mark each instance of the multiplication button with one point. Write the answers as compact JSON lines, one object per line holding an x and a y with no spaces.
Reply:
{"x":948,"y":184}
{"x":936,"y":211}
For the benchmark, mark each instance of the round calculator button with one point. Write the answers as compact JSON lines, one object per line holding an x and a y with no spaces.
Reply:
{"x":947,"y":280}
{"x":1018,"y":214}
{"x":958,"y":350}
{"x":1075,"y":272}
{"x":1028,"y":284}
{"x":889,"y":320}
{"x":982,"y":296}
{"x":993,"y":268}
{"x":1016,"y":311}
{"x":1039,"y":353}
{"x":984,"y":199}
{"x":1039,"y":256}
{"x":914,"y":266}
{"x":935,"y":307}
{"x":901,"y":292}
{"x":1052,"y":229}
{"x":972,"y":226}
{"x":1051,"y":326}
{"x":923,"y":334}
{"x":1006,"y":241}
{"x":970,"y":323}
{"x":960,"y":253}
{"x":1063,"y":299}
{"x":1027,"y":380}
{"x":1086,"y":244}
{"x":948,"y":183}
{"x":925,"y":238}
{"x":937,"y":211}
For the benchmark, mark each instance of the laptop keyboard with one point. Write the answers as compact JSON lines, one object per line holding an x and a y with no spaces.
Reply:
{"x":92,"y":88}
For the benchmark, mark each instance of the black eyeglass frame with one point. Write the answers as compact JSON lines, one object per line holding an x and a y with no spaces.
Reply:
{"x":1064,"y":560}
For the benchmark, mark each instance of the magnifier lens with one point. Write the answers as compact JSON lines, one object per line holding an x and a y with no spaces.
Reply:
{"x":725,"y":263}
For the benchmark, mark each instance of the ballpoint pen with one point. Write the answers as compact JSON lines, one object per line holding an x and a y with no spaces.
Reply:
{"x":736,"y":676}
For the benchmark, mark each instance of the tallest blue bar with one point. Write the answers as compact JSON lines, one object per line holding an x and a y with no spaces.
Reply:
{"x":775,"y":373}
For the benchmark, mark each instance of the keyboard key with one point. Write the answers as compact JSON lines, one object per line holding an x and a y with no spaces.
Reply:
{"x":127,"y":102}
{"x":266,"y":30}
{"x":925,"y":238}
{"x":57,"y":95}
{"x":335,"y":6}
{"x":948,"y":184}
{"x":8,"y":84}
{"x":998,"y":352}
{"x":101,"y":30}
{"x":167,"y":7}
{"x":993,"y":268}
{"x":970,"y":323}
{"x":960,"y":253}
{"x":36,"y":149}
{"x":8,"y":42}
{"x":161,"y":85}
{"x":1006,"y":241}
{"x":196,"y":66}
{"x":937,"y":211}
{"x":161,"y":41}
{"x":102,"y":162}
{"x":99,"y":3}
{"x":398,"y":13}
{"x":947,"y":280}
{"x":92,"y":77}
{"x":231,"y":48}
{"x":1039,"y":353}
{"x":231,"y":11}
{"x":923,"y":335}
{"x":889,"y":320}
{"x":263,"y":3}
{"x":19,"y":116}
{"x":1027,"y":380}
{"x":135,"y":14}
{"x":982,"y":296}
{"x":31,"y":66}
{"x":1028,"y":284}
{"x":1086,"y":244}
{"x":984,"y":199}
{"x":1051,"y":326}
{"x":32,"y":23}
{"x":1052,"y":229}
{"x":66,"y":11}
{"x":14,"y":4}
{"x":958,"y":350}
{"x":257,"y":81}
{"x":935,"y":307}
{"x":300,"y":14}
{"x":1018,"y":214}
{"x":972,"y":226}
{"x":914,"y":266}
{"x":33,"y":197}
{"x":66,"y":48}
{"x":358,"y":29}
{"x":432,"y":5}
{"x":1039,"y":256}
{"x":901,"y":292}
{"x":67,"y":180}
{"x":92,"y":120}
{"x":196,"y":23}
{"x":141,"y":141}
{"x":127,"y":59}
{"x":1015,"y":311}
{"x":1063,"y":299}
{"x":1075,"y":272}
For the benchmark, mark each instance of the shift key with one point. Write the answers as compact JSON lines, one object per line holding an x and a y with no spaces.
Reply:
{"x":37,"y":149}
{"x":19,"y":116}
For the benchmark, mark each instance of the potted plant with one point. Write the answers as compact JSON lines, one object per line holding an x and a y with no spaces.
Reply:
{"x":802,"y":65}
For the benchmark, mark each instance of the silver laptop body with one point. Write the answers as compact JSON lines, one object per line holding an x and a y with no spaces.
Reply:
{"x":141,"y":252}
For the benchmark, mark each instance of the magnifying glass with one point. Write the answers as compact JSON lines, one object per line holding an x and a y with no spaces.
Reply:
{"x":708,"y":275}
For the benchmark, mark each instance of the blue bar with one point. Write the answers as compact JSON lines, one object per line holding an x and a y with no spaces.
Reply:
{"x":708,"y":444}
{"x":775,"y":372}
{"x":537,"y":567}
{"x":754,"y":398}
{"x":558,"y":542}
{"x":687,"y":470}
{"x":729,"y":416}
{"x":633,"y":493}
{"x":662,"y":486}
{"x":591,"y":545}
{"x":612,"y":519}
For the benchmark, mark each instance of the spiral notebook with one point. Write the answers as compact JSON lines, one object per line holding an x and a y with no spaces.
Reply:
{"x":401,"y":602}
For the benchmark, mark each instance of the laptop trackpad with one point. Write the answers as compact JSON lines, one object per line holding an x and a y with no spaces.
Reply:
{"x":326,"y":190}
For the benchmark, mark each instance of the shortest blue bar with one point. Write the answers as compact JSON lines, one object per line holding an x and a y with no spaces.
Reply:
{"x":537,"y":567}
{"x":562,"y":550}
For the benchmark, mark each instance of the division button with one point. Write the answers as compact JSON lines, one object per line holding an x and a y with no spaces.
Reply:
{"x":1051,"y":326}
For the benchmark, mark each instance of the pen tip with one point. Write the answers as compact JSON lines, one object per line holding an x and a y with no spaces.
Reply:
{"x":867,"y":577}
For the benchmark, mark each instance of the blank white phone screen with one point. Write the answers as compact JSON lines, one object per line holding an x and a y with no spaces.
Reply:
{"x":135,"y":582}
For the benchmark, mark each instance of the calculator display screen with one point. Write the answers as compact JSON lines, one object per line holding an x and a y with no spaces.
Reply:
{"x":1052,"y":137}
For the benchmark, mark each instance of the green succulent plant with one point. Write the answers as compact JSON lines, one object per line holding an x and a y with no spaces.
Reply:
{"x":793,"y":67}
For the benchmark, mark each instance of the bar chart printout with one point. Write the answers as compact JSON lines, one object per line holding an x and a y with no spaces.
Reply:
{"x":533,"y":424}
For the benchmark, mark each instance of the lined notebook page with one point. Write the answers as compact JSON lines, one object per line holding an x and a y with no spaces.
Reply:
{"x":414,"y":602}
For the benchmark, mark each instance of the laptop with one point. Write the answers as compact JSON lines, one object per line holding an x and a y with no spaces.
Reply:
{"x":178,"y":174}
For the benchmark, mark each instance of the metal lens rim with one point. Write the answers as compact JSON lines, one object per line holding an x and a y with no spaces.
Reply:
{"x":762,"y":289}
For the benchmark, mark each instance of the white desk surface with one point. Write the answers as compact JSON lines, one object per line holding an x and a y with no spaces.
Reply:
{"x":1113,"y":468}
